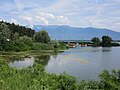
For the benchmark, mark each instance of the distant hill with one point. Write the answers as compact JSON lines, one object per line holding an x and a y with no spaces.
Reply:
{"x":74,"y":33}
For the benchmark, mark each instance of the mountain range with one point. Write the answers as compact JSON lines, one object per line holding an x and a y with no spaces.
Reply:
{"x":74,"y":33}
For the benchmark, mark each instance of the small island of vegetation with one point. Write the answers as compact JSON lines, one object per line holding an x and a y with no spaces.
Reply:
{"x":106,"y":42}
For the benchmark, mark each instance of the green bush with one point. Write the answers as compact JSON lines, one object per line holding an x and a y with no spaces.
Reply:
{"x":35,"y":78}
{"x":115,"y":44}
{"x":26,"y":40}
{"x":16,"y":46}
{"x":41,"y":46}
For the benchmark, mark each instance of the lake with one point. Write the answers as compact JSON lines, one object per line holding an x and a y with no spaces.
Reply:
{"x":81,"y":62}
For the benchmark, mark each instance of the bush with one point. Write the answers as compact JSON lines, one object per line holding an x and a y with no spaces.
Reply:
{"x":42,"y":46}
{"x":16,"y":46}
{"x":26,"y":40}
{"x":115,"y":44}
{"x":35,"y":78}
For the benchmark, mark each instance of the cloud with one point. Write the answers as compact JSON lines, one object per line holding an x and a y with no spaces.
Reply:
{"x":63,"y":19}
{"x":14,"y":21}
{"x":19,"y":5}
{"x":27,"y":18}
{"x":79,"y":13}
{"x":42,"y":19}
{"x":47,"y":15}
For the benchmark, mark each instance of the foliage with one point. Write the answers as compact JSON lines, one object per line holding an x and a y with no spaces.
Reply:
{"x":59,"y":45}
{"x":21,"y":30}
{"x":90,"y":85}
{"x":42,"y":59}
{"x":42,"y":46}
{"x":42,"y":37}
{"x":15,"y":37}
{"x":20,"y":38}
{"x":96,"y":41}
{"x":115,"y":44}
{"x":106,"y":41}
{"x":26,"y":40}
{"x":35,"y":78}
{"x":111,"y":79}
{"x":16,"y":46}
{"x":4,"y":35}
{"x":62,"y":46}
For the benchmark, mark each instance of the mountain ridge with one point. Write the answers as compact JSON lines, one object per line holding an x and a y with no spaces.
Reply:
{"x":65,"y":32}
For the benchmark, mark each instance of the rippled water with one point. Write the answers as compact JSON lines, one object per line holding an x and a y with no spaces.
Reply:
{"x":81,"y":62}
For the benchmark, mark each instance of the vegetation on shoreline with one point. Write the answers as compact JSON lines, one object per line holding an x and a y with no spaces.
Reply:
{"x":18,"y":38}
{"x":35,"y":78}
{"x":106,"y":42}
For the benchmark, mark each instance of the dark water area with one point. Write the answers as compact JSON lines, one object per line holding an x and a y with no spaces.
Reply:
{"x":81,"y":62}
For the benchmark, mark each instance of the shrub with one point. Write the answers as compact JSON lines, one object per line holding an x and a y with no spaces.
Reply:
{"x":42,"y":46}
{"x":35,"y":78}
{"x":16,"y":46}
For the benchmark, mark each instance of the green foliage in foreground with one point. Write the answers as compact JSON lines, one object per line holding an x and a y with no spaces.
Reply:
{"x":35,"y":78}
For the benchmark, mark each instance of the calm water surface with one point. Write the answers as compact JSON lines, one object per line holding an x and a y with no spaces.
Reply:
{"x":81,"y":62}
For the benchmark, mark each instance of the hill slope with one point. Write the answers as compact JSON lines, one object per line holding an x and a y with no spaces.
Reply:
{"x":73,"y":33}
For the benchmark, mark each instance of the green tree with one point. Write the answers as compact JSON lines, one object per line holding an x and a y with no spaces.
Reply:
{"x":16,"y":36}
{"x":26,"y":40}
{"x":106,"y":41}
{"x":42,"y":37}
{"x":96,"y":41}
{"x":4,"y":35}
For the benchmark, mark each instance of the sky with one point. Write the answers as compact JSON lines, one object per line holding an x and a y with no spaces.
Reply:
{"x":76,"y":13}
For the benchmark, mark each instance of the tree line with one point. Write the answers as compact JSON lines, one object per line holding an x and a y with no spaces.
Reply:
{"x":21,"y":30}
{"x":105,"y":42}
{"x":19,"y":38}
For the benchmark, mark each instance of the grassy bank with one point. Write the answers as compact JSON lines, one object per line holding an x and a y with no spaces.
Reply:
{"x":35,"y":78}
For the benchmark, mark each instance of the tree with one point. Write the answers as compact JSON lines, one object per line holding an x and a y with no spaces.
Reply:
{"x":42,"y":37}
{"x":106,"y":41}
{"x":26,"y":40}
{"x":16,"y":36}
{"x":96,"y":41}
{"x":4,"y":35}
{"x":21,"y":30}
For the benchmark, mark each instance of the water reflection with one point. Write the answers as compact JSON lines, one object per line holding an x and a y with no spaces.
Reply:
{"x":55,"y":54}
{"x":42,"y":59}
{"x":21,"y":62}
{"x":86,"y":62}
{"x":83,"y":63}
{"x":106,"y":49}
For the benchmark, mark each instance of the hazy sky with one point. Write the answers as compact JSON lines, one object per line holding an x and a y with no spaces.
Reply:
{"x":79,"y":13}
